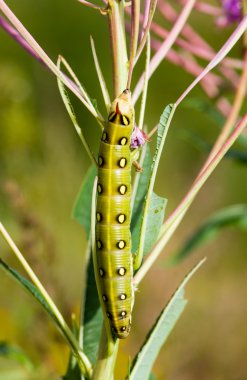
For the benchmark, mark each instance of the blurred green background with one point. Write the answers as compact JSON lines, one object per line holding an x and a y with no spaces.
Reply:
{"x":42,"y":164}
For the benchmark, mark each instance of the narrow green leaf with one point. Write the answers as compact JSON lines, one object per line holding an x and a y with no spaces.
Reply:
{"x":163,"y":127}
{"x":30,"y":288}
{"x":156,"y":210}
{"x":102,"y":82}
{"x":14,"y":352}
{"x":66,"y":100}
{"x":237,"y":155}
{"x":156,"y":215}
{"x":203,"y":146}
{"x":73,"y":371}
{"x":93,"y":317}
{"x":208,"y":108}
{"x":82,"y":208}
{"x":139,"y":200}
{"x":160,"y":331}
{"x":233,"y":216}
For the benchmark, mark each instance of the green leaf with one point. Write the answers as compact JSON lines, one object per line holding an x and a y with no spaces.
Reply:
{"x":73,"y":371}
{"x":30,"y":288}
{"x":156,"y":210}
{"x":93,"y":317}
{"x":206,"y":107}
{"x":212,"y":113}
{"x":66,"y":100}
{"x":232,"y":216}
{"x":203,"y":146}
{"x":142,"y":189}
{"x":91,"y":323}
{"x":15,"y":353}
{"x":152,"y":377}
{"x":82,"y":208}
{"x":237,"y":155}
{"x":156,"y":214}
{"x":160,"y":331}
{"x":102,"y":82}
{"x":151,"y":201}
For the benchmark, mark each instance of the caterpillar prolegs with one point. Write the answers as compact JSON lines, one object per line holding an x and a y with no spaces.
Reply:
{"x":113,"y":238}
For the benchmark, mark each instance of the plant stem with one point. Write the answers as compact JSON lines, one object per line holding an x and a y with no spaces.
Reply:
{"x":105,"y":364}
{"x":83,"y":361}
{"x":118,"y":46}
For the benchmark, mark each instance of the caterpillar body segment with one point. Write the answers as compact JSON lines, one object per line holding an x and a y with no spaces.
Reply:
{"x":113,"y":238}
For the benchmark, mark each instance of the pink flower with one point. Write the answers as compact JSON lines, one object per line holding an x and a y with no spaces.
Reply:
{"x":138,"y":138}
{"x":232,"y":10}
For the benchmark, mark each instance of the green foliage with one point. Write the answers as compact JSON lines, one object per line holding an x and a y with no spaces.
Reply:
{"x":30,"y":288}
{"x":153,"y":206}
{"x":39,"y":297}
{"x":156,"y":214}
{"x":156,"y":211}
{"x":208,"y":109}
{"x":92,"y":314}
{"x":160,"y":331}
{"x":137,"y":213}
{"x":203,"y":146}
{"x":82,"y":208}
{"x":232,"y":216}
{"x":93,"y":317}
{"x":73,"y":371}
{"x":15,"y":353}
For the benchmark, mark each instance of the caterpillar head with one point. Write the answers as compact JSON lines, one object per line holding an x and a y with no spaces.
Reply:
{"x":122,"y":111}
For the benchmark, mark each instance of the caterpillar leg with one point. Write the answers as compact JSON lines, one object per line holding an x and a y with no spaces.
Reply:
{"x":137,"y":166}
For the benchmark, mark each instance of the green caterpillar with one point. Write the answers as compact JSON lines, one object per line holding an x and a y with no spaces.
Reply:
{"x":113,"y":238}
